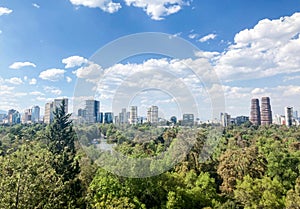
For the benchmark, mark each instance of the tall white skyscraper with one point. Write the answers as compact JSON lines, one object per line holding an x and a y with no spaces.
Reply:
{"x":225,"y":119}
{"x":133,"y":115}
{"x":152,"y":115}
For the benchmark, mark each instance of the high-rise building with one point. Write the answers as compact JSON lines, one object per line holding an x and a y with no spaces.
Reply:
{"x":92,"y":110}
{"x":48,"y":116}
{"x":123,"y":118}
{"x":27,"y":116}
{"x":295,"y":114}
{"x":225,"y":119}
{"x":50,"y":107}
{"x":14,"y":117}
{"x":108,"y":117}
{"x":239,"y":120}
{"x":133,"y":115}
{"x":35,"y":114}
{"x":255,"y":112}
{"x":152,"y":115}
{"x":288,"y":116}
{"x":188,"y":120}
{"x":266,"y":112}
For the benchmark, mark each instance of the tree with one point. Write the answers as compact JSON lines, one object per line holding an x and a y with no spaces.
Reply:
{"x":235,"y":164}
{"x":61,"y":142}
{"x":260,"y":193}
{"x":293,"y":197}
{"x":27,"y":179}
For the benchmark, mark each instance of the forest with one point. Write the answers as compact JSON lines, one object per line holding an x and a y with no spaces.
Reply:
{"x":45,"y":166}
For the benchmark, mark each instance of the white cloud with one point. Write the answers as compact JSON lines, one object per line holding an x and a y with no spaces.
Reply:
{"x":36,"y":5}
{"x":18,"y":65}
{"x":208,"y":37}
{"x":52,"y":90}
{"x":69,"y":79}
{"x":74,"y":61}
{"x":36,"y":93}
{"x":33,"y":81}
{"x":272,"y":47}
{"x":106,"y":5}
{"x":14,"y":80}
{"x":158,"y":9}
{"x":52,"y":74}
{"x":193,"y":36}
{"x":5,"y":11}
{"x":92,"y":71}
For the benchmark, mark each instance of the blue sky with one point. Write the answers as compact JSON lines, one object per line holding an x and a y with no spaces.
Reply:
{"x":255,"y":50}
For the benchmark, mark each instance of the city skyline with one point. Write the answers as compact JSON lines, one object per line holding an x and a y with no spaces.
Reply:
{"x":253,"y":57}
{"x":91,"y":113}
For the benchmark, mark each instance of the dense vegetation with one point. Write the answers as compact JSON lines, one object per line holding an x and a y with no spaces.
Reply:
{"x":252,"y":167}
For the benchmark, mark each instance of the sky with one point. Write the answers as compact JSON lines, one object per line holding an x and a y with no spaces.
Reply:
{"x":249,"y":48}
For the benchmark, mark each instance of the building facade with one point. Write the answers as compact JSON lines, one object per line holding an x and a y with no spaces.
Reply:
{"x":255,"y":112}
{"x":225,"y":119}
{"x":133,"y":115}
{"x":152,"y":115}
{"x":188,"y":120}
{"x":288,"y":116}
{"x":50,"y":108}
{"x":265,"y":111}
{"x":35,"y":114}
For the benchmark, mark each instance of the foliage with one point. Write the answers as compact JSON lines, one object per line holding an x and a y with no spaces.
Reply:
{"x":251,"y":167}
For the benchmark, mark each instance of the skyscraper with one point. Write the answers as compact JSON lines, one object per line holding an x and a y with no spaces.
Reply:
{"x":92,"y":110}
{"x":266,"y":112}
{"x":133,"y":115}
{"x":27,"y":116}
{"x":123,"y":116}
{"x":288,"y":116}
{"x":50,"y":107}
{"x":255,"y":112}
{"x":35,"y":114}
{"x":48,"y":117}
{"x":152,"y":115}
{"x":108,"y":117}
{"x":225,"y":119}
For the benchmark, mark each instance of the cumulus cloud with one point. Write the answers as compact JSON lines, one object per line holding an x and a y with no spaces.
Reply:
{"x":33,"y":81}
{"x":208,"y":37}
{"x":52,"y":90}
{"x":18,"y":65}
{"x":52,"y":74}
{"x":105,"y":5}
{"x":14,"y":80}
{"x":157,"y":10}
{"x":69,"y":79}
{"x":92,"y":71}
{"x":5,"y":11}
{"x":74,"y":61}
{"x":270,"y":48}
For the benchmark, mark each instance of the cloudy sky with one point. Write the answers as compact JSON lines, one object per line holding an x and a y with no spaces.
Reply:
{"x":252,"y":47}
